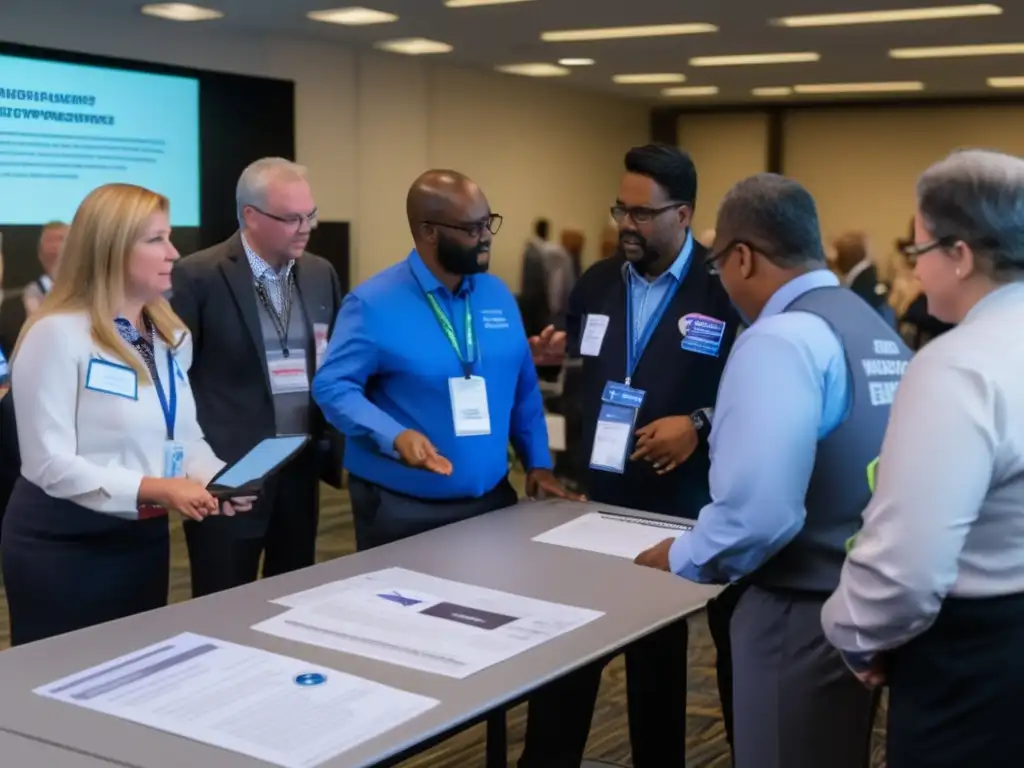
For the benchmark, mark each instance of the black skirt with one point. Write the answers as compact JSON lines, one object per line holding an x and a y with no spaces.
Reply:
{"x":955,"y":691}
{"x":67,"y":567}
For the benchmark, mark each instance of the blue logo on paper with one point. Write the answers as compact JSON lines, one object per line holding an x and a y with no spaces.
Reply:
{"x":310,"y":679}
{"x":396,"y":597}
{"x":701,"y":334}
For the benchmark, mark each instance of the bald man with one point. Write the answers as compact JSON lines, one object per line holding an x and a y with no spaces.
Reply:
{"x":429,"y":375}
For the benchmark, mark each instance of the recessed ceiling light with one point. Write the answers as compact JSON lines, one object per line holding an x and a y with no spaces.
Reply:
{"x":471,"y":3}
{"x":696,"y":90}
{"x":827,"y":88}
{"x":754,"y":58}
{"x":888,"y":17}
{"x":957,"y":51}
{"x":1005,"y":82}
{"x":413,"y":46}
{"x":768,"y":91}
{"x":622,"y":33}
{"x":576,"y":62}
{"x":181,"y":12}
{"x":352,"y":17}
{"x":534,"y":69}
{"x":650,"y":79}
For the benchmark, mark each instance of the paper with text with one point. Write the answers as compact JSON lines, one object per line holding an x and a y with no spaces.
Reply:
{"x":612,"y":534}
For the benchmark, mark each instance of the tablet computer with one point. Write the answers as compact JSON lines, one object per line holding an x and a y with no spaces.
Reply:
{"x":246,"y":476}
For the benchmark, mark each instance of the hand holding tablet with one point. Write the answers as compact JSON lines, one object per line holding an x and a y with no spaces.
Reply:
{"x":241,"y":482}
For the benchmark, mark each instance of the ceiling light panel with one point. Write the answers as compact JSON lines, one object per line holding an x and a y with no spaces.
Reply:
{"x":1005,"y":82}
{"x":576,"y":62}
{"x":413,"y":46}
{"x":958,"y":51}
{"x":475,"y":3}
{"x":181,"y":12}
{"x":890,"y":17}
{"x":652,"y":78}
{"x":625,"y":33}
{"x":690,"y":91}
{"x":818,"y":89}
{"x":535,"y":69}
{"x":352,"y":17}
{"x":754,"y":59}
{"x":772,"y":91}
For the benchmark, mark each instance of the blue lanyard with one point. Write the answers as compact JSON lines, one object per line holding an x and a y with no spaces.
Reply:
{"x":168,"y":402}
{"x":449,"y":331}
{"x":635,"y":347}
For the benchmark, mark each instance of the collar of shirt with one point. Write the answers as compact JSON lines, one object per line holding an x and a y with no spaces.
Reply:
{"x":429,"y":283}
{"x":1011,"y":292}
{"x":854,"y":273}
{"x":675,"y":272}
{"x":797,"y":287}
{"x":261,"y":268}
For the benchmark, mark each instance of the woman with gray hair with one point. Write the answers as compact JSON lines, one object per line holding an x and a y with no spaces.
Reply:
{"x":931,"y":598}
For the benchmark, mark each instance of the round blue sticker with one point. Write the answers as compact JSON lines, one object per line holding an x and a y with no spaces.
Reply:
{"x":310,"y":678}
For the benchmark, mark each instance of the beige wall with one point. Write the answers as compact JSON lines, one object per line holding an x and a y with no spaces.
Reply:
{"x":725,"y":148}
{"x":367,"y":124}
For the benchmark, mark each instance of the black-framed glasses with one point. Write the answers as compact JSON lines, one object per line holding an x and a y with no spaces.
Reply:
{"x":711,"y":263}
{"x":640,"y":214}
{"x":474,"y":229}
{"x":293,"y":221}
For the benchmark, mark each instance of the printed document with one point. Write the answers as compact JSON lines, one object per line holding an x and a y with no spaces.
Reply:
{"x":612,"y":533}
{"x":270,"y":707}
{"x":424,"y":622}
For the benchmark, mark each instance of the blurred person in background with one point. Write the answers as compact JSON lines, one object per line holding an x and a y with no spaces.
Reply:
{"x":930,"y":599}
{"x":857,"y":271}
{"x":51,"y":242}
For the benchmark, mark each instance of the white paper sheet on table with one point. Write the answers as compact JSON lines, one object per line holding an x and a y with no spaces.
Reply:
{"x":612,"y":534}
{"x":424,"y":622}
{"x":261,"y":704}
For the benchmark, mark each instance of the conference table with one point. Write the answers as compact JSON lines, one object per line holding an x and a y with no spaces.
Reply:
{"x":494,"y":551}
{"x":18,"y":751}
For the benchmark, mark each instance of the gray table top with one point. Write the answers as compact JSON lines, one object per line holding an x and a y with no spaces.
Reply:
{"x":492,"y":551}
{"x":21,"y":752}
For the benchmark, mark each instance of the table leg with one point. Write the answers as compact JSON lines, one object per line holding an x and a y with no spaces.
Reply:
{"x":497,"y":740}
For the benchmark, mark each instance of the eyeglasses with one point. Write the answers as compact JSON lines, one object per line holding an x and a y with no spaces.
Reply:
{"x":474,"y":229}
{"x":712,"y":262}
{"x":293,"y":221}
{"x":640,"y":214}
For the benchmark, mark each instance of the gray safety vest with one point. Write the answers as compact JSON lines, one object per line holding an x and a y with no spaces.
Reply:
{"x":843,"y":477}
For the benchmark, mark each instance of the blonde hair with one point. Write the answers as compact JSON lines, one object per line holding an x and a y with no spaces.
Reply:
{"x":94,"y":266}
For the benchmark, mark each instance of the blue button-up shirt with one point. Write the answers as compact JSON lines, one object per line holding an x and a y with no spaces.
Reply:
{"x":646,"y":295}
{"x":784,"y":389}
{"x":388,"y":366}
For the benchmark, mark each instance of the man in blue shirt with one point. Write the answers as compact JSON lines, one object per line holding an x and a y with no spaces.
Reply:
{"x":429,"y":375}
{"x":797,"y":422}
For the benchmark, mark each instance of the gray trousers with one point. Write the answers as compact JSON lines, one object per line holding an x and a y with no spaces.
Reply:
{"x":795,"y":703}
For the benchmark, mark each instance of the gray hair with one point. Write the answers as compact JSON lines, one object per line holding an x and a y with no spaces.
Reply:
{"x":774,"y":213}
{"x":258,"y":176}
{"x":977,"y":196}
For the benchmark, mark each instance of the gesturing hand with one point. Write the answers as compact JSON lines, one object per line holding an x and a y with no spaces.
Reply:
{"x":417,"y":451}
{"x":666,"y":442}
{"x":548,"y":344}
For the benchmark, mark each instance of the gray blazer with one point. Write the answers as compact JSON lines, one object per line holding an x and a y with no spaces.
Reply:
{"x":212,"y":292}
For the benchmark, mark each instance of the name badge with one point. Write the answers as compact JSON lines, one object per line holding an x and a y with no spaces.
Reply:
{"x":112,"y":379}
{"x":616,"y":423}
{"x":174,"y":459}
{"x":701,"y":334}
{"x":593,"y":335}
{"x":320,"y":342}
{"x":469,"y":406}
{"x":287,"y":374}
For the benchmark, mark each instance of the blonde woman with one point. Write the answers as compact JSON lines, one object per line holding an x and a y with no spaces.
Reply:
{"x":106,"y":427}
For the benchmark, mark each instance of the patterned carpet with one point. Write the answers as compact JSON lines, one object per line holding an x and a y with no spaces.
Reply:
{"x":608,"y":739}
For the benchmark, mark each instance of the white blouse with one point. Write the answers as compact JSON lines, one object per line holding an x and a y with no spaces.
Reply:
{"x":92,"y":447}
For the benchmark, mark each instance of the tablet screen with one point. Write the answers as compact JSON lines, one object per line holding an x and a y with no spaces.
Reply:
{"x":260,"y":460}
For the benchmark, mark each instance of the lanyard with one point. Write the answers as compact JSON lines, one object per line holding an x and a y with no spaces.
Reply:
{"x":449,"y":332}
{"x":169,"y":401}
{"x":635,"y":347}
{"x":281,"y":322}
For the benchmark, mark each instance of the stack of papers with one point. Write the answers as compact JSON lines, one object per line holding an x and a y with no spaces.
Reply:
{"x":270,"y":707}
{"x":611,"y":533}
{"x":422,"y":622}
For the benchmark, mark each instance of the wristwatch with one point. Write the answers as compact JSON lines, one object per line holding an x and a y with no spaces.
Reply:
{"x":701,"y":419}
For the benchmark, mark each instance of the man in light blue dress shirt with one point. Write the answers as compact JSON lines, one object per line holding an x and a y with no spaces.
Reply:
{"x":800,"y":416}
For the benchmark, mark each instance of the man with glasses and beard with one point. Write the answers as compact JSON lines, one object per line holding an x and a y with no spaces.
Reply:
{"x":654,"y":330}
{"x":429,"y":376}
{"x":260,"y":309}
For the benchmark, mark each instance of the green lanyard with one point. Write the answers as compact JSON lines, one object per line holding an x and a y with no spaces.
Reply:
{"x":449,"y":332}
